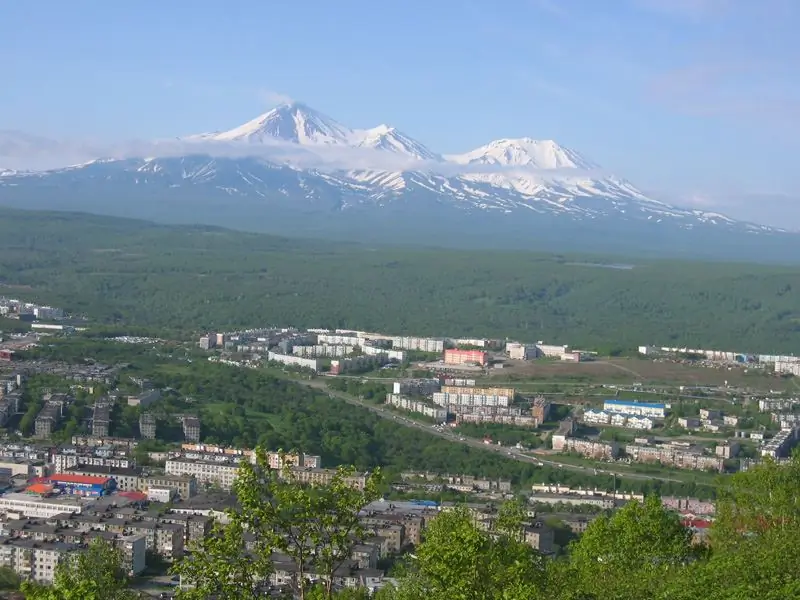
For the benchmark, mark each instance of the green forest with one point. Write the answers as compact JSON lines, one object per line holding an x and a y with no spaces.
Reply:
{"x":187,"y":279}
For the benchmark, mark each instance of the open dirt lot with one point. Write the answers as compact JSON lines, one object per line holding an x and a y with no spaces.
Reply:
{"x":632,"y":370}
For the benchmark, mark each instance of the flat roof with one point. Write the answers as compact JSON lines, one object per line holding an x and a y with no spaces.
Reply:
{"x":79,"y":479}
{"x":635,"y":403}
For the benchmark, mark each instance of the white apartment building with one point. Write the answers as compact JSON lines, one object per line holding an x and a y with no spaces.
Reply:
{"x":205,"y":471}
{"x":295,"y":361}
{"x":324,"y":350}
{"x":31,"y":559}
{"x":418,"y":343}
{"x":421,"y":387}
{"x":337,"y":339}
{"x":551,"y":350}
{"x":632,"y":407}
{"x":397,"y":355}
{"x":599,"y":417}
{"x":466,"y":399}
{"x":435,"y":412}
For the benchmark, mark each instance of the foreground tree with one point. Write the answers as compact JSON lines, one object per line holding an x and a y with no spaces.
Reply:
{"x":94,"y":574}
{"x":458,"y":560}
{"x":316,"y":526}
{"x":223,"y":567}
{"x":630,"y":555}
{"x":754,"y":539}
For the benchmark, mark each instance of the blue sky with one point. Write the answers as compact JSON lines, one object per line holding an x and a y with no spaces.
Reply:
{"x":695,"y":99}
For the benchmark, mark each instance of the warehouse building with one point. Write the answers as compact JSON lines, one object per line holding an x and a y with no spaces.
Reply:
{"x":84,"y":485}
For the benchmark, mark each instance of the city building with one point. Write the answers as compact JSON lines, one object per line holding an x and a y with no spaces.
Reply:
{"x":34,"y":560}
{"x":83,"y":485}
{"x":205,"y":471}
{"x":294,"y":361}
{"x":435,"y":412}
{"x":416,"y":387}
{"x":144,"y":399}
{"x":781,"y":444}
{"x":50,"y":415}
{"x":517,"y":351}
{"x":540,"y":409}
{"x":147,"y":425}
{"x":101,"y":418}
{"x":38,"y":507}
{"x":323,"y":350}
{"x":418,"y":343}
{"x":191,"y":428}
{"x":550,"y":350}
{"x":338,"y":339}
{"x":689,"y":422}
{"x":455,"y":395}
{"x":634,"y":407}
{"x":465,"y":357}
{"x":392,"y":355}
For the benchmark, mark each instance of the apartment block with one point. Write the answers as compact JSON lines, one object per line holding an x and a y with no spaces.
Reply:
{"x":416,"y":387}
{"x":294,"y":361}
{"x":418,"y":343}
{"x":34,"y":560}
{"x":323,"y":350}
{"x":191,"y":428}
{"x":101,"y":418}
{"x":466,"y":357}
{"x":204,"y":471}
{"x":540,"y":409}
{"x":50,"y":415}
{"x":435,"y":412}
{"x":147,"y":426}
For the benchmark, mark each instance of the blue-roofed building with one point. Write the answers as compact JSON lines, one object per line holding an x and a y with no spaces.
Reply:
{"x":634,"y":407}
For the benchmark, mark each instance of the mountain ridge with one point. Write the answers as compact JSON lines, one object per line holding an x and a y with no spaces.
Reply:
{"x":245,"y":170}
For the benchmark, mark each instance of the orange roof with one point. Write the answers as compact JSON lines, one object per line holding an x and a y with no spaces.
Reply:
{"x":40,"y":488}
{"x":84,"y":479}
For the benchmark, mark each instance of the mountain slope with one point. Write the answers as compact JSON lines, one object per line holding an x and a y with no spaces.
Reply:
{"x":523,"y":152}
{"x":378,"y":182}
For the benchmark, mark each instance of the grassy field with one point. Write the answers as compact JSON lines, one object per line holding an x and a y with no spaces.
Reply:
{"x":620,"y":371}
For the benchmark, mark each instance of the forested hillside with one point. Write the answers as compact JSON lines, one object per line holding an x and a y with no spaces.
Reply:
{"x":192,"y":278}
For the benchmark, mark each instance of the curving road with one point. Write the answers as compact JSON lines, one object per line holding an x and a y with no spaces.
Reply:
{"x":533,"y":457}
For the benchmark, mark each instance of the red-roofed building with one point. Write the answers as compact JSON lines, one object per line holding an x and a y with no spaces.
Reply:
{"x":84,"y":485}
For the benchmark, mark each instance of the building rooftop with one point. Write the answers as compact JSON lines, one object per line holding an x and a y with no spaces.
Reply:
{"x":634,"y":403}
{"x":79,"y":479}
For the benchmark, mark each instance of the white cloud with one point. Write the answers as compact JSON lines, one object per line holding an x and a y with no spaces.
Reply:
{"x":273,"y":98}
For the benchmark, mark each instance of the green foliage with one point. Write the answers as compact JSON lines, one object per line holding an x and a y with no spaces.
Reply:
{"x":194,"y":278}
{"x":629,"y":555}
{"x":92,"y":574}
{"x":317,"y":526}
{"x":459,"y":561}
{"x":9,"y":580}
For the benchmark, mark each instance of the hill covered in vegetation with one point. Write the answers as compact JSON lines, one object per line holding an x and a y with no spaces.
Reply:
{"x":182,"y":279}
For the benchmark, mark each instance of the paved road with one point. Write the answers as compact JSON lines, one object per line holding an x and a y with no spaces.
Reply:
{"x":533,"y":457}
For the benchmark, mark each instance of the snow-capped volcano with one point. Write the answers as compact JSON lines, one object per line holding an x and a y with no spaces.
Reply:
{"x":297,"y":123}
{"x":524,"y":152}
{"x":294,"y":122}
{"x":372,"y":176}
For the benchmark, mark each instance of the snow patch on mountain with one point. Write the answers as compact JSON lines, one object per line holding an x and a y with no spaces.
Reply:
{"x":523,"y":152}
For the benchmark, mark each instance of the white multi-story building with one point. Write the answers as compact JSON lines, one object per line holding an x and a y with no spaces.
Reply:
{"x":338,"y":339}
{"x":632,"y":407}
{"x":204,"y":471}
{"x":434,"y":412}
{"x":466,"y":399}
{"x":396,"y":355}
{"x":32,"y":559}
{"x":599,"y":417}
{"x":420,"y":387}
{"x":418,"y":343}
{"x":328,"y":350}
{"x":788,"y":368}
{"x":294,"y":361}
